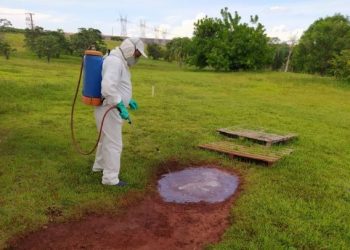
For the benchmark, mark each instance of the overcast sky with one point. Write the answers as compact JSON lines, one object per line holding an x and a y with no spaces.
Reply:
{"x":282,"y":19}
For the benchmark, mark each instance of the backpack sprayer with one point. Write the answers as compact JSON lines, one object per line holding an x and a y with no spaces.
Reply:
{"x":92,"y":66}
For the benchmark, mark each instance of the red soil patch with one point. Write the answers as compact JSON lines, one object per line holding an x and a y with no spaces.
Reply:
{"x":147,"y":224}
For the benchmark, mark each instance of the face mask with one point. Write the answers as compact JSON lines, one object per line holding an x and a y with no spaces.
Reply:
{"x":131,"y":61}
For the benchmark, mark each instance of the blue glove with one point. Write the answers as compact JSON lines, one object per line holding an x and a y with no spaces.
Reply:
{"x":124,"y":114}
{"x":133,"y":104}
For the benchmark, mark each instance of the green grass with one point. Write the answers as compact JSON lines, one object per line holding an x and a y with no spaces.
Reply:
{"x":302,"y":202}
{"x":111,"y":44}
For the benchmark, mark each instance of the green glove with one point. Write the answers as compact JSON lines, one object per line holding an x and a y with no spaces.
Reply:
{"x":133,"y":104}
{"x":124,"y":114}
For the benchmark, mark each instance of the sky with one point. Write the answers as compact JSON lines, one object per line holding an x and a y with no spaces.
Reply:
{"x":283,"y":19}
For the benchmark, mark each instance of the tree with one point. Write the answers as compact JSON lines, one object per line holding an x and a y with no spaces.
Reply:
{"x":34,"y":39}
{"x":4,"y":23}
{"x":87,"y":38}
{"x":30,"y":36}
{"x":154,"y":51}
{"x":320,"y":43}
{"x":227,"y":44}
{"x":6,"y":49}
{"x":64,"y":45}
{"x":340,"y":65}
{"x":206,"y":38}
{"x":178,"y":49}
{"x":47,"y":46}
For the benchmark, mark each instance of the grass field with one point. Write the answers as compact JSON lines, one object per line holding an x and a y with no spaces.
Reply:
{"x":303,"y":202}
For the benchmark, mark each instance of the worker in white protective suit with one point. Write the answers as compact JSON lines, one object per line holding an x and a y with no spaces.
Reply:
{"x":116,"y":91}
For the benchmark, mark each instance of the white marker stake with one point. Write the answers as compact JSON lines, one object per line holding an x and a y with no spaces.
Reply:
{"x":152,"y":90}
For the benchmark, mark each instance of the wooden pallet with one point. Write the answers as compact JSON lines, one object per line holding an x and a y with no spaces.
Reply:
{"x":238,"y":151}
{"x":260,"y":137}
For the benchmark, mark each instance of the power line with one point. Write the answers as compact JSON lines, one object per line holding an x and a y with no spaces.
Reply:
{"x":123,"y":23}
{"x":155,"y":29}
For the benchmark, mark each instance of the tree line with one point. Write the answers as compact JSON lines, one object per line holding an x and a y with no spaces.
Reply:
{"x":51,"y":44}
{"x":222,"y":44}
{"x":228,"y":44}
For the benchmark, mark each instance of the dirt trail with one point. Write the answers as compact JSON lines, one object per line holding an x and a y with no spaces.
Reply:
{"x":147,"y":224}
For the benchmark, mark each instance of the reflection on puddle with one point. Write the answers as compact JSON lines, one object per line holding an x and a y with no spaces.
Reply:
{"x":196,"y":185}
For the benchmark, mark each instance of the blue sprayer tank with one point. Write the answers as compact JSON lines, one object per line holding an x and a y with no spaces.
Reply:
{"x":93,"y":61}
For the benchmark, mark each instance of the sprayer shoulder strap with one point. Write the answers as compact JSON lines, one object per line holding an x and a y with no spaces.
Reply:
{"x":107,"y":54}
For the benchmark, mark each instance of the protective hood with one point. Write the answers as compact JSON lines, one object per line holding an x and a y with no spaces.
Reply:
{"x":129,"y":46}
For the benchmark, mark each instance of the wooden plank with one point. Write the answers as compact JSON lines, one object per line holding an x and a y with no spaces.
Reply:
{"x":261,"y":137}
{"x":239,"y":151}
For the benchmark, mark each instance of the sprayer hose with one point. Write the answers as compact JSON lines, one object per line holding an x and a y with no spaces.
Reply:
{"x":75,"y":143}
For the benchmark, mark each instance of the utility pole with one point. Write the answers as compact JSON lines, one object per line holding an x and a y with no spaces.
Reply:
{"x":143,"y":28}
{"x":123,"y":22}
{"x":29,"y":21}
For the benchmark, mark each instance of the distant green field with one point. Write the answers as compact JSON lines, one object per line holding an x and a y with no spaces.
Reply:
{"x":16,"y":41}
{"x":112,"y":44}
{"x":303,"y":202}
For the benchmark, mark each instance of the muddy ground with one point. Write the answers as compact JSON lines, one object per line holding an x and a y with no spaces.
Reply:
{"x":148,"y":223}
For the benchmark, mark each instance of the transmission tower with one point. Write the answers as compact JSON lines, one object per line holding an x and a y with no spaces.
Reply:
{"x":164,"y":32}
{"x":143,"y":28}
{"x":30,"y":21}
{"x":123,"y":22}
{"x":156,"y":32}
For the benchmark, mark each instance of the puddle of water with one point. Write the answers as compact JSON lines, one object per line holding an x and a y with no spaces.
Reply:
{"x":197,"y":184}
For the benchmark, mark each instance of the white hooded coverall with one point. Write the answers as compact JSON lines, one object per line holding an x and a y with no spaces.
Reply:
{"x":116,"y":87}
